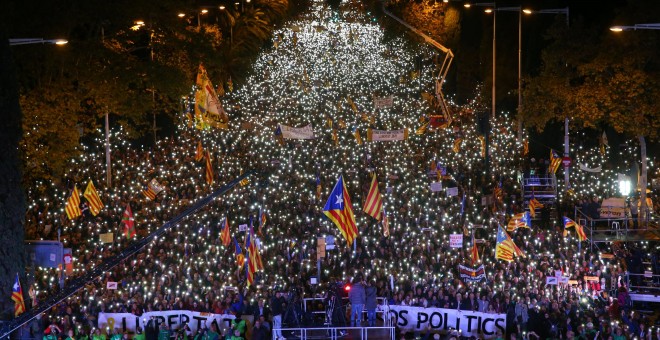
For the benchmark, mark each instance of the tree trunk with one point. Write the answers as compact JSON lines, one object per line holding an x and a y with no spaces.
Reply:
{"x":12,"y":198}
{"x":642,"y":184}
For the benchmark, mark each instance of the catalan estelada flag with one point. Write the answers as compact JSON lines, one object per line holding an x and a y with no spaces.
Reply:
{"x":505,"y":248}
{"x":568,"y":223}
{"x":339,"y":210}
{"x":17,"y":297}
{"x":240,"y":258}
{"x":522,"y":220}
{"x":72,"y":206}
{"x":555,"y":162}
{"x":318,"y":187}
{"x":533,"y":205}
{"x":373,"y":206}
{"x":95,"y":204}
{"x":225,"y":237}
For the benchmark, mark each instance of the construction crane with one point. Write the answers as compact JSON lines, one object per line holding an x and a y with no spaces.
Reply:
{"x":445,"y":115}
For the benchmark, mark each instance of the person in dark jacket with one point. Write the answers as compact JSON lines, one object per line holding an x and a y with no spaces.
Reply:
{"x":371,"y":303}
{"x":276,"y":305}
{"x":357,"y":298}
{"x":259,"y":332}
{"x":151,"y":330}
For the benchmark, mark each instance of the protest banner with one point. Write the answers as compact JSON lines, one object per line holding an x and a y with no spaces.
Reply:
{"x":479,"y":325}
{"x":305,"y":132}
{"x":174,"y":319}
{"x":386,"y":135}
{"x":456,"y":241}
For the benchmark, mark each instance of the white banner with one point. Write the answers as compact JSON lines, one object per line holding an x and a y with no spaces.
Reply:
{"x":480,"y":325}
{"x":127,"y":322}
{"x":383,"y":102}
{"x":452,"y":191}
{"x":305,"y":132}
{"x":387,"y":135}
{"x":583,"y":167}
{"x":436,"y":186}
{"x":456,"y":241}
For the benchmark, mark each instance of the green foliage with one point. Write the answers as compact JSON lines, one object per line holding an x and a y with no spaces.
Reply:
{"x":598,"y":78}
{"x":131,"y":74}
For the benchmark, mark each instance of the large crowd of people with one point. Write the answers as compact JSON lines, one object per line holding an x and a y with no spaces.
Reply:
{"x":190,"y":268}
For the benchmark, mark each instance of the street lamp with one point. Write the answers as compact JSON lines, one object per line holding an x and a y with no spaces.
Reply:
{"x":492,"y":5}
{"x":566,"y":12}
{"x":635,"y":27}
{"x":520,"y":11}
{"x":28,"y":41}
{"x":231,"y":24}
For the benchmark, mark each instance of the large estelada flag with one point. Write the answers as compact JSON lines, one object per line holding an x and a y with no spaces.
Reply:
{"x":522,"y":220}
{"x":95,"y":204}
{"x":373,"y":206}
{"x":339,"y":210}
{"x":505,"y":248}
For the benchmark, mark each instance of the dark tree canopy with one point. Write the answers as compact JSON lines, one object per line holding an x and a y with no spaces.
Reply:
{"x":12,"y":198}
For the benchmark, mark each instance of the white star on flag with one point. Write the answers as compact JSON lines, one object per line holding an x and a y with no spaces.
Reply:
{"x":339,"y":201}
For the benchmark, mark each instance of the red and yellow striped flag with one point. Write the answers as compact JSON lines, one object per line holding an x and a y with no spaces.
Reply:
{"x":72,"y":206}
{"x":224,"y":235}
{"x":209,"y":169}
{"x":474,"y":253}
{"x":95,"y":204}
{"x":199,"y":152}
{"x":373,"y":206}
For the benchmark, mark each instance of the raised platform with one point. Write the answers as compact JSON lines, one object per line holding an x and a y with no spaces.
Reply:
{"x":645,"y":297}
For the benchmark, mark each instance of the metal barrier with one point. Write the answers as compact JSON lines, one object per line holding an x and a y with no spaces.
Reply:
{"x":639,"y":288}
{"x":383,"y":303}
{"x":337,"y":332}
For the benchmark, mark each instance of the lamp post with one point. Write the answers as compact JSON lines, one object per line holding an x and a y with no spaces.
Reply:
{"x":28,"y":41}
{"x":231,"y":24}
{"x":199,"y":17}
{"x":635,"y":27}
{"x":492,"y":5}
{"x":566,"y":12}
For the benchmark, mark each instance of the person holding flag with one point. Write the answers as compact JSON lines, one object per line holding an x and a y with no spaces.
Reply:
{"x":339,"y":210}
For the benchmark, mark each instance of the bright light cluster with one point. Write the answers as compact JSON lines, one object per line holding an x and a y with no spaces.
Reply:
{"x":325,"y":70}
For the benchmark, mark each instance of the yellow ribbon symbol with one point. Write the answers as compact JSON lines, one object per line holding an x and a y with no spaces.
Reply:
{"x":111,"y":323}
